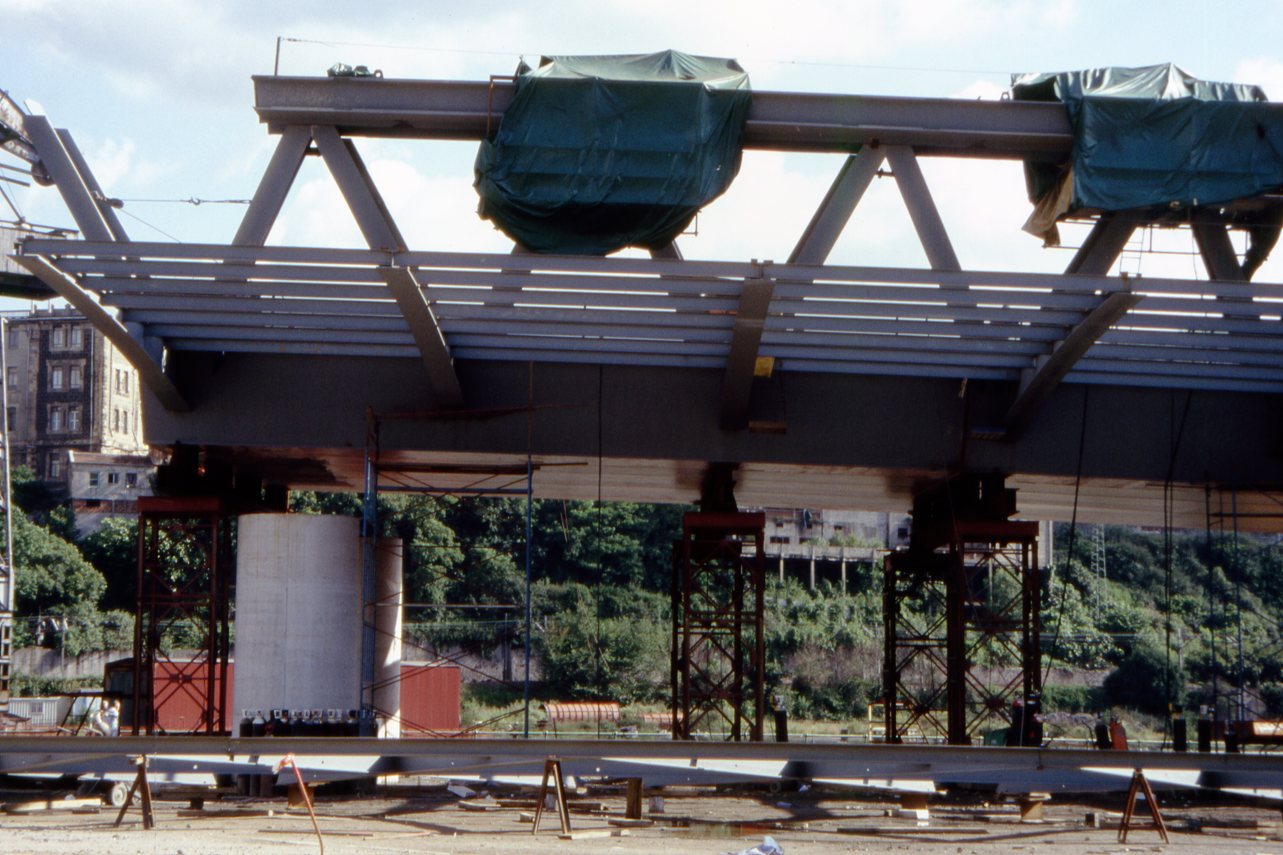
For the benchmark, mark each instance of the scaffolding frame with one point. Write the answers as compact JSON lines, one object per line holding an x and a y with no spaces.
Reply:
{"x":184,"y":575}
{"x":477,"y":481}
{"x":718,"y":638}
{"x":966,"y":593}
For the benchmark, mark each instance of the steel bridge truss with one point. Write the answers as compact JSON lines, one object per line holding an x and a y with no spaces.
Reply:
{"x":802,"y":315}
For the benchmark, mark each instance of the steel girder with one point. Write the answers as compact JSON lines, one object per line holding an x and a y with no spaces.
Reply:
{"x":786,"y":121}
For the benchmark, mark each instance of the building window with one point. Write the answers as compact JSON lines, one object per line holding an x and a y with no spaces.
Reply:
{"x":115,"y":420}
{"x":55,"y":465}
{"x":124,"y":422}
{"x":55,"y":419}
{"x":13,"y":378}
{"x":75,"y":337}
{"x":56,"y":375}
{"x":126,"y":378}
{"x":12,"y":415}
{"x":131,"y":479}
{"x":13,"y":338}
{"x":75,"y":377}
{"x":113,"y":477}
{"x":93,"y":479}
{"x":59,"y":337}
{"x":73,"y":419}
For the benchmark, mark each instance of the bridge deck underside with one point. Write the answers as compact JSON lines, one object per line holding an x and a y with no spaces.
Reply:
{"x":883,"y":379}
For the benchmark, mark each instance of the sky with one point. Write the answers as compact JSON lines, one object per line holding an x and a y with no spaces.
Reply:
{"x":158,"y":96}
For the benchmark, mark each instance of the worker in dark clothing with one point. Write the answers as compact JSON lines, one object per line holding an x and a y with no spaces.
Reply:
{"x":1102,"y":733}
{"x":1016,"y":733}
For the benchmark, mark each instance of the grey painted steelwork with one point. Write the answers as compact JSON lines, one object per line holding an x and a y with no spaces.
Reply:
{"x":149,"y":370}
{"x":787,"y":121}
{"x":667,"y":761}
{"x":812,"y":318}
{"x":953,"y":358}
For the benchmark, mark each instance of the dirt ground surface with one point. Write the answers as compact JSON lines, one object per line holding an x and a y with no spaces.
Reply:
{"x":429,"y":819}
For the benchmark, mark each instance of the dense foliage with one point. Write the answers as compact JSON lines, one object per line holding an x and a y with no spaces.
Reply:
{"x":1179,"y":619}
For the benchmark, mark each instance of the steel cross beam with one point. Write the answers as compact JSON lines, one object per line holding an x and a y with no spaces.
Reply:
{"x":134,"y":351}
{"x":377,"y":227}
{"x":1106,"y":241}
{"x":813,"y":248}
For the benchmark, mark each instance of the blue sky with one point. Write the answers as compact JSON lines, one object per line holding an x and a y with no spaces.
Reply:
{"x":158,"y":96}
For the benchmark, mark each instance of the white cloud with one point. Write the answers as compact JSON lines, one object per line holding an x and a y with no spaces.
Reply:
{"x":1265,"y":72}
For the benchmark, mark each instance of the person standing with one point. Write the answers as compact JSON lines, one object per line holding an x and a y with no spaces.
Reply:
{"x":108,"y":719}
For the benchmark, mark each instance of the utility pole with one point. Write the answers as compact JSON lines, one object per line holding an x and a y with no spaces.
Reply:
{"x":6,"y":560}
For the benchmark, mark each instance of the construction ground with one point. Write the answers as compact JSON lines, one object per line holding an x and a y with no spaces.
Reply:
{"x":424,"y":817}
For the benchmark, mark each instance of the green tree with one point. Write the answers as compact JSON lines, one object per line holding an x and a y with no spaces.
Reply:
{"x":612,"y":658}
{"x":113,"y":549}
{"x":1143,"y":680}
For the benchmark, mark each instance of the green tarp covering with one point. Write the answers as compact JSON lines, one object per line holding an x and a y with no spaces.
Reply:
{"x":1153,"y":136}
{"x":598,"y":153}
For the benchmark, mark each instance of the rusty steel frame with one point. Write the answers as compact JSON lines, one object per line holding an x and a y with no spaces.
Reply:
{"x":978,"y":597}
{"x":171,"y":591}
{"x":718,"y":639}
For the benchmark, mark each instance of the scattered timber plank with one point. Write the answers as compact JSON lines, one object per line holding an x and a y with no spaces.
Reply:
{"x":885,"y":830}
{"x":226,"y":813}
{"x":594,"y":834}
{"x":631,"y":823}
{"x":477,"y":805}
{"x":54,"y":804}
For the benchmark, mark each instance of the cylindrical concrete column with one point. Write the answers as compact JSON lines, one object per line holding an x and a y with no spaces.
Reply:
{"x":387,"y":635}
{"x":298,"y":613}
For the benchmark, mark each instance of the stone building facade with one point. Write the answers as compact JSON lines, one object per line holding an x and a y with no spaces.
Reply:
{"x":68,"y":389}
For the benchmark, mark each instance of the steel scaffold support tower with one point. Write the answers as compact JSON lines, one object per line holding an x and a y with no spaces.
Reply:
{"x":718,"y":639}
{"x":184,"y":560}
{"x":961,"y":616}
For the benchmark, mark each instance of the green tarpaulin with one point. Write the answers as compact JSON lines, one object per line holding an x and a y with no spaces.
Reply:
{"x":598,"y":153}
{"x":1154,"y":136}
